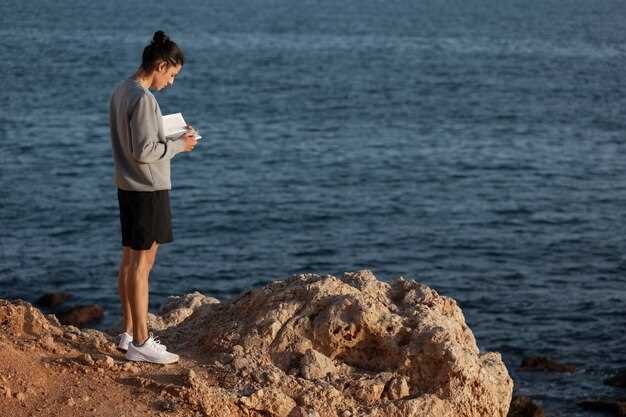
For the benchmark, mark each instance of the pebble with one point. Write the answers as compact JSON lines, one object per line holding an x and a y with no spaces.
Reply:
{"x":20,"y":396}
{"x":86,"y":359}
{"x":129,"y":367}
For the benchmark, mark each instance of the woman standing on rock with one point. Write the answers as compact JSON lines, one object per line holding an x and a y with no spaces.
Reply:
{"x":142,"y":155}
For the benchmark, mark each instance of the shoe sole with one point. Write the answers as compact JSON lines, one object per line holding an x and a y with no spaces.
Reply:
{"x":138,"y":357}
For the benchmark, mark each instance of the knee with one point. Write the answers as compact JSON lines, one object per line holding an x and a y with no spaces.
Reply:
{"x":141,"y":267}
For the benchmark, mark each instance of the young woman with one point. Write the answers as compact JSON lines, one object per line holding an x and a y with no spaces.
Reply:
{"x":142,"y":157}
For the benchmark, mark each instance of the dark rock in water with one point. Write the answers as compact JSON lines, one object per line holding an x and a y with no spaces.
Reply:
{"x":617,"y":380}
{"x":79,"y":315}
{"x":52,"y":299}
{"x":522,"y":406}
{"x":545,"y":364}
{"x":616,"y":406}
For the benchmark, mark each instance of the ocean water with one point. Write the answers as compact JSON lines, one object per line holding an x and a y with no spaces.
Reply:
{"x":476,"y":146}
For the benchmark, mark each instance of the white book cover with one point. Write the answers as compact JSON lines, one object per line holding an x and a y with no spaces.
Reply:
{"x":174,"y":125}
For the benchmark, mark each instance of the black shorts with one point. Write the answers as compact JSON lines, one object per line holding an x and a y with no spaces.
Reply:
{"x":145,"y":217}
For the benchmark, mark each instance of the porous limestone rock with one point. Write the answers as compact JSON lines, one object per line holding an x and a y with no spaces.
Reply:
{"x":387,"y":349}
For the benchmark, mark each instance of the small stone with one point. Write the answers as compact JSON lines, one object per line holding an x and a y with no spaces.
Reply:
{"x":47,"y":342}
{"x":238,"y":350}
{"x":107,"y":362}
{"x":167,"y":405}
{"x":397,"y":388}
{"x":190,"y":377}
{"x":20,"y":396}
{"x":315,"y":365}
{"x":129,"y":367}
{"x":6,"y":390}
{"x":86,"y":398}
{"x":241,"y":363}
{"x":270,"y":400}
{"x":86,"y":359}
{"x":225,"y":358}
{"x":346,"y":413}
{"x":70,"y":401}
{"x":369,"y":390}
{"x":303,"y":412}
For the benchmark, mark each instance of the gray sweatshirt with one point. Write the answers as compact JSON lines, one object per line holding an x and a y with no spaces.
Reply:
{"x":141,"y":154}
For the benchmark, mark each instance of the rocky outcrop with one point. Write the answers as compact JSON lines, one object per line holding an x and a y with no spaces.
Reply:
{"x":354,"y":343}
{"x":309,"y":345}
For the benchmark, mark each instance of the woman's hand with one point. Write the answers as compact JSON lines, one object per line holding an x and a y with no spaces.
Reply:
{"x":189,"y":140}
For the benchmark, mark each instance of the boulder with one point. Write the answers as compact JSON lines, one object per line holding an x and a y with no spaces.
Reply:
{"x":378,"y":341}
{"x":542,"y":363}
{"x":81,"y":314}
{"x":52,"y":300}
{"x":522,"y":406}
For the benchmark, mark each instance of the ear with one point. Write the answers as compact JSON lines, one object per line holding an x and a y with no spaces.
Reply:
{"x":162,"y":66}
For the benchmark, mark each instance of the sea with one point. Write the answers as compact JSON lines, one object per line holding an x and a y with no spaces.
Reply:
{"x":476,"y":146}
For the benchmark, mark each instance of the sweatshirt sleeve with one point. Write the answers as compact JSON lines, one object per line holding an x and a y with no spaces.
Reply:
{"x":144,"y":134}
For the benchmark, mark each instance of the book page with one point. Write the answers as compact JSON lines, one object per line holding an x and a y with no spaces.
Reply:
{"x":174,"y":125}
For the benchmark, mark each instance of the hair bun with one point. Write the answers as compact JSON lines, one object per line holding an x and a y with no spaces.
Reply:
{"x":160,"y":38}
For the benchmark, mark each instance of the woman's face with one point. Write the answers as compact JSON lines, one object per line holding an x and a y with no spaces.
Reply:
{"x":164,"y":76}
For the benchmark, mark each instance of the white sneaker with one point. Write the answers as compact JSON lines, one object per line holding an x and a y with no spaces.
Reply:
{"x":151,"y":351}
{"x":124,"y":339}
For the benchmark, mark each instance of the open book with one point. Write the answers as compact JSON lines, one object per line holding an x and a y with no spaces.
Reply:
{"x":174,"y":125}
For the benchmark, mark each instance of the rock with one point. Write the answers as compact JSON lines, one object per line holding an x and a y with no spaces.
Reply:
{"x":397,"y":388}
{"x":86,"y":359}
{"x":70,"y":401}
{"x":191,"y":379}
{"x":617,"y":380}
{"x":368,"y":391}
{"x":270,"y":400}
{"x":129,"y":367}
{"x":364,"y":328}
{"x":178,"y":308}
{"x":225,"y":357}
{"x":80,"y":315}
{"x":105,"y":361}
{"x":303,"y":412}
{"x":5,"y":391}
{"x":615,"y":406}
{"x":315,"y":365}
{"x":167,"y":405}
{"x":20,"y":318}
{"x":545,"y":364}
{"x":47,"y":342}
{"x":522,"y":406}
{"x":20,"y":396}
{"x":52,"y":300}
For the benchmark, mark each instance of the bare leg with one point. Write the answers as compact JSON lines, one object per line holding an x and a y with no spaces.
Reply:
{"x":141,"y":262}
{"x":122,"y":278}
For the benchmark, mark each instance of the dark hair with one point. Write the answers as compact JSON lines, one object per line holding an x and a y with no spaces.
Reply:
{"x":162,"y":48}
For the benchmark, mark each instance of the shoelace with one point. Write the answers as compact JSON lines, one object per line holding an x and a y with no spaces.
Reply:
{"x":157,"y":343}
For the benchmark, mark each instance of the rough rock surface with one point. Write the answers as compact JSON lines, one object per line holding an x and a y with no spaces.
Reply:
{"x":306,"y":346}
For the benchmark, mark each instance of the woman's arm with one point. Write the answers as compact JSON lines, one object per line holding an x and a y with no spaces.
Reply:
{"x":145,"y":145}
